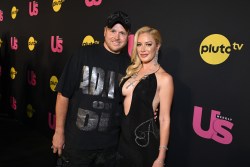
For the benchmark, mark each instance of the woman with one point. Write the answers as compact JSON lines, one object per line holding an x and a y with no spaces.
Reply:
{"x":146,"y":86}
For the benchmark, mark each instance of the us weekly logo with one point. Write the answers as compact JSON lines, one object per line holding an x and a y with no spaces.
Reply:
{"x":219,"y":128}
{"x":1,"y":15}
{"x":33,"y":8}
{"x":56,"y":44}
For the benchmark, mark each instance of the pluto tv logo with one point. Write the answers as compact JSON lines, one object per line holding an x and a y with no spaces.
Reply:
{"x":53,"y":83}
{"x":89,"y":40}
{"x":13,"y":73}
{"x":57,"y":4}
{"x":31,"y":43}
{"x":216,"y":48}
{"x":14,"y":12}
{"x":30,"y":111}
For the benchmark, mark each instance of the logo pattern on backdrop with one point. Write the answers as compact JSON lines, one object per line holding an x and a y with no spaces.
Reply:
{"x":219,"y":129}
{"x":216,"y":48}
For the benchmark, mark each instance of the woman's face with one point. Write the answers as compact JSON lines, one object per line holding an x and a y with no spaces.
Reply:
{"x":146,"y":48}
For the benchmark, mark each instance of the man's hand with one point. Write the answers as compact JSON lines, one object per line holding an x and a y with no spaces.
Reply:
{"x":58,"y":143}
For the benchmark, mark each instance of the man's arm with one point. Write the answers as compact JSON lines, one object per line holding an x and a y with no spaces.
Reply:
{"x":61,"y":113}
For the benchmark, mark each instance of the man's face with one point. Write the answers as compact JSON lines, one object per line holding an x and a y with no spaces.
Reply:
{"x":115,"y":38}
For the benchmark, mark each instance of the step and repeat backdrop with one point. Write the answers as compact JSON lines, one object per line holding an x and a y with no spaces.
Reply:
{"x":205,"y":48}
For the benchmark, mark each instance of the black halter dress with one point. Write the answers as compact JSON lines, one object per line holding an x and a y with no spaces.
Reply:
{"x":139,"y":140}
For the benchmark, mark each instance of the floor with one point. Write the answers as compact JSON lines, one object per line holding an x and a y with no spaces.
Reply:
{"x":23,"y":146}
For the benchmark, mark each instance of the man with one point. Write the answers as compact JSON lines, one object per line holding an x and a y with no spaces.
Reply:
{"x":87,"y":110}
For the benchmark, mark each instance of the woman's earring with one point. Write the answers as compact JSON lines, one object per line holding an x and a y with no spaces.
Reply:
{"x":156,"y":58}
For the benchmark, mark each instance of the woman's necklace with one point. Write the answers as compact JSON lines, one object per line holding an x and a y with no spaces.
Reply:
{"x":131,"y":83}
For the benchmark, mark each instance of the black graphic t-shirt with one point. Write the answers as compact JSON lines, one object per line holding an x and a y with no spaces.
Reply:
{"x":90,"y":80}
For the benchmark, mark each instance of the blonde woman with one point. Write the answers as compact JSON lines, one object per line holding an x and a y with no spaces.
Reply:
{"x":146,"y":86}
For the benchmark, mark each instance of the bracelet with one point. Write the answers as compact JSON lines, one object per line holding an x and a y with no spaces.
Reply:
{"x":163,"y":147}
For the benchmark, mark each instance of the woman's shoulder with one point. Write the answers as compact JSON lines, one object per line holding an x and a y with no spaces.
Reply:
{"x":164,"y":77}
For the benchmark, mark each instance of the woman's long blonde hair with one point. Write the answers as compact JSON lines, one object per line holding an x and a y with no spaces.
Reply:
{"x":135,"y":60}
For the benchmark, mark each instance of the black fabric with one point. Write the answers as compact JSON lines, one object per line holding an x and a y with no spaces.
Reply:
{"x":91,"y":80}
{"x":139,"y":141}
{"x":89,"y":158}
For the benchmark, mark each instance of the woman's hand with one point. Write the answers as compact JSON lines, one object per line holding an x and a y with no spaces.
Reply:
{"x":158,"y":163}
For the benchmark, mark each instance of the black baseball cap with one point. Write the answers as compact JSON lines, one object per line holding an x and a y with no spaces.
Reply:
{"x":119,"y":17}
